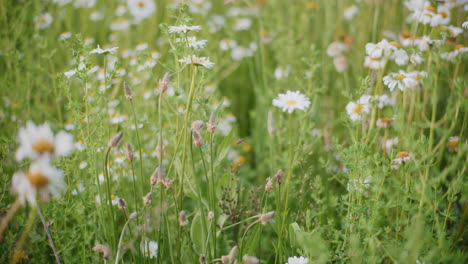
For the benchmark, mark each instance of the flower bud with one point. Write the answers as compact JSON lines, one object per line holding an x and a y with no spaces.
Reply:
{"x":264,"y":218}
{"x":122,"y":205}
{"x":129,"y":150}
{"x":279,"y":176}
{"x":163,"y":83}
{"x":197,"y":139}
{"x":128,"y":91}
{"x":269,"y":184}
{"x":210,"y":216}
{"x":197,"y":125}
{"x":113,"y":142}
{"x":211,"y":123}
{"x":104,"y":250}
{"x":147,"y":198}
{"x":183,"y":221}
{"x":158,"y":175}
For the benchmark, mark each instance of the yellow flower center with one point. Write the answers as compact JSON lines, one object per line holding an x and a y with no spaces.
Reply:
{"x":141,"y":4}
{"x":459,"y":46}
{"x":402,"y":154}
{"x":395,"y":44}
{"x":405,"y":34}
{"x":37,"y":179}
{"x":400,"y":76}
{"x":431,"y":8}
{"x":291,"y":102}
{"x":443,"y":14}
{"x":42,"y":146}
{"x":452,"y":144}
{"x":358,"y":108}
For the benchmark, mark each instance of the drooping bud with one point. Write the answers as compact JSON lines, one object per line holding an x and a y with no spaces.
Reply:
{"x":202,"y":259}
{"x":197,"y":125}
{"x":158,"y":175}
{"x":250,"y":260}
{"x":122,"y":205}
{"x":113,"y":142}
{"x":269,"y":184}
{"x":128,"y":91}
{"x":197,"y":139}
{"x":270,"y":123}
{"x":183,"y":221}
{"x":167,"y":183}
{"x":106,"y":252}
{"x":147,"y":198}
{"x":279,"y":176}
{"x":210,"y":216}
{"x":129,"y":150}
{"x":211,"y":123}
{"x":163,"y":83}
{"x":264,"y":218}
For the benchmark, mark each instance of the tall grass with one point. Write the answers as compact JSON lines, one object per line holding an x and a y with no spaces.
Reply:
{"x":338,"y":201}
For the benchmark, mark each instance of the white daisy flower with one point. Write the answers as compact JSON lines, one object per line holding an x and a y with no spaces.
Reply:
{"x":465,"y":25}
{"x":400,"y":80}
{"x":384,"y":100}
{"x":198,"y":61}
{"x":374,"y":63}
{"x":349,"y":12}
{"x":449,"y":56}
{"x":40,"y":178}
{"x":335,"y":48}
{"x":85,"y":3}
{"x":242,"y":24}
{"x":379,"y":50}
{"x":141,"y":9}
{"x":184,"y":29}
{"x":239,"y":52}
{"x":199,"y":6}
{"x":340,"y":63}
{"x":291,"y":101}
{"x":43,"y":21}
{"x":454,"y":31}
{"x":453,"y":143}
{"x":98,"y":50}
{"x":96,"y":16}
{"x":400,"y":57}
{"x":119,"y":25}
{"x":65,"y":35}
{"x":282,"y":72}
{"x":36,"y":141}
{"x":149,"y":249}
{"x":388,"y":144}
{"x":70,"y":73}
{"x":356,"y":110}
{"x":193,"y":42}
{"x":297,"y":260}
{"x":416,"y":59}
{"x":401,"y":158}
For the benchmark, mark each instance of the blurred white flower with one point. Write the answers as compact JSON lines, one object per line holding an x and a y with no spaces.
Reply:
{"x":184,"y":29}
{"x":98,"y":50}
{"x":357,"y":109}
{"x":242,"y":24}
{"x":193,"y":42}
{"x":197,"y":61}
{"x":37,"y":141}
{"x":400,"y":80}
{"x":297,"y":260}
{"x":40,"y":178}
{"x":149,"y":249}
{"x":291,"y":101}
{"x":43,"y":21}
{"x":141,"y":9}
{"x":349,"y":12}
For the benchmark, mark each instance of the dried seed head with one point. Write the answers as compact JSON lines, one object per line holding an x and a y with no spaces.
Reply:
{"x":452,"y":144}
{"x":385,"y":122}
{"x":158,"y":175}
{"x":279,"y":176}
{"x":163,"y":83}
{"x":167,"y":183}
{"x":264,"y":218}
{"x":129,"y":150}
{"x":250,"y":260}
{"x":113,"y":142}
{"x":232,"y":253}
{"x":210,"y":216}
{"x":159,"y":151}
{"x":147,"y":198}
{"x":183,"y":221}
{"x":106,"y":252}
{"x":128,"y":91}
{"x":122,"y":204}
{"x":269,"y":184}
{"x":212,"y":123}
{"x":197,"y":139}
{"x":197,"y":125}
{"x":202,"y":259}
{"x":270,"y":123}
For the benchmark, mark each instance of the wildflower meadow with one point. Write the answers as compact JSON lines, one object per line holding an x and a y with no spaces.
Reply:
{"x":233,"y":131}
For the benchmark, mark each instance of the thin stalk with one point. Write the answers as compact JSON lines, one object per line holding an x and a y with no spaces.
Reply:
{"x":49,"y":236}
